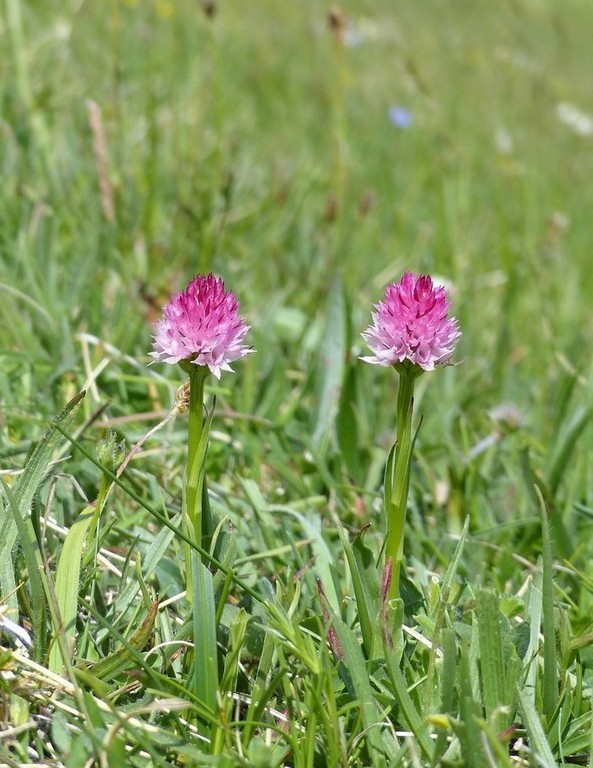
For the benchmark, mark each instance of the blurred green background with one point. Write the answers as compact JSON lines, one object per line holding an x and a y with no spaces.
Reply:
{"x":255,"y":140}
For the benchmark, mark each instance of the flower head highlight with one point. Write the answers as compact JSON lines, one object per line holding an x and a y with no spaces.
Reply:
{"x":411,"y":324}
{"x":201,"y":325}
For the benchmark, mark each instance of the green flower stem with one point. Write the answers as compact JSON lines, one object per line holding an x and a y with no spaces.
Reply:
{"x":198,"y":578}
{"x":195,"y":479}
{"x":396,"y":501}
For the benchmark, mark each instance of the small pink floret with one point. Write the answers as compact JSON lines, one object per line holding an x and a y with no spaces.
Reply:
{"x":411,"y":323}
{"x":202,"y":326}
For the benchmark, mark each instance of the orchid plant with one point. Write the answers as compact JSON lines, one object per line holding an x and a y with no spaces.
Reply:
{"x":412,"y":332}
{"x":202,"y":331}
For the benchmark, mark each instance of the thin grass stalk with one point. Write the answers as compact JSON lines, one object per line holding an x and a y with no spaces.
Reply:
{"x":100,"y":147}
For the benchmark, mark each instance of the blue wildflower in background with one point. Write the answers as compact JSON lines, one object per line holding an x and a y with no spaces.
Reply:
{"x":400,"y":117}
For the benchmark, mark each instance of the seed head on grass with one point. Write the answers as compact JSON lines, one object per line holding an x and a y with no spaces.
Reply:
{"x":411,"y":324}
{"x":201,"y":325}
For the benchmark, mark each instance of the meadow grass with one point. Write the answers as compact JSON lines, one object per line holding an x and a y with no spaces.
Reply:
{"x":145,"y":141}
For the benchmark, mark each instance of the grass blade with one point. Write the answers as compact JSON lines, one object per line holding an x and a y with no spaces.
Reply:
{"x":205,"y":669}
{"x":34,"y":563}
{"x":331,"y":366}
{"x":448,"y":674}
{"x":23,"y":492}
{"x":537,"y":737}
{"x":382,"y":745}
{"x":365,"y":582}
{"x":467,"y":730}
{"x":408,"y":711}
{"x":550,"y":677}
{"x":491,"y":652}
{"x":565,"y":445}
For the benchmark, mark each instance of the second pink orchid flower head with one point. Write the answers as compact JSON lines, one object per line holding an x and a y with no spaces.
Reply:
{"x":411,"y":324}
{"x":201,"y":325}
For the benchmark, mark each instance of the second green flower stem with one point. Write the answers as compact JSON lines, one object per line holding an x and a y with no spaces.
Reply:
{"x":398,"y":483}
{"x":195,"y":473}
{"x":200,"y":591}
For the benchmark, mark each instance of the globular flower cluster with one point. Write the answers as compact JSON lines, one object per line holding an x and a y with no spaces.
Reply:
{"x":201,"y":325}
{"x":411,"y":324}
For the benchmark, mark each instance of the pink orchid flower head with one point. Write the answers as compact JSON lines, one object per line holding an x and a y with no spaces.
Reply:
{"x":201,"y":325}
{"x":412,"y":324}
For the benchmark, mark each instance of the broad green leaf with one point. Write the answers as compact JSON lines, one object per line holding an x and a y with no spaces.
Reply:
{"x":67,"y":585}
{"x":365,"y":582}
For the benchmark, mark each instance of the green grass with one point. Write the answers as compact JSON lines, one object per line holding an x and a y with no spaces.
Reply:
{"x":255,"y":145}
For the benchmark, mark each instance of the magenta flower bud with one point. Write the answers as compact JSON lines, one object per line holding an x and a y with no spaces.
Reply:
{"x":411,"y":324}
{"x":201,"y":325}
